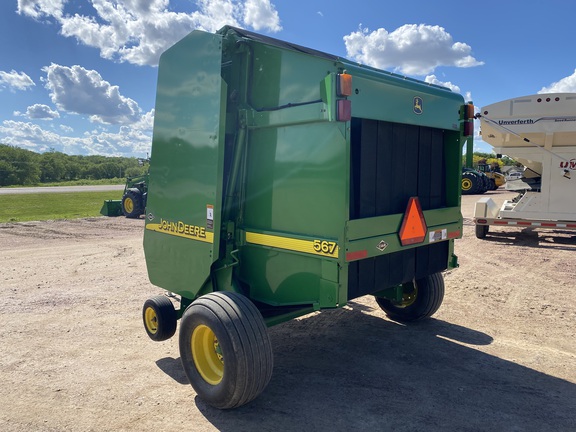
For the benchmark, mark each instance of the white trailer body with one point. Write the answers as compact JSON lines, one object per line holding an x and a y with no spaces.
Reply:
{"x":539,"y":131}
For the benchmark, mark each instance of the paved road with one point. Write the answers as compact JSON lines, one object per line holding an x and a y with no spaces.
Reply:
{"x":59,"y":189}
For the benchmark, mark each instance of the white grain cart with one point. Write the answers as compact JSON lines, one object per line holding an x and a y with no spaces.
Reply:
{"x":538,"y":131}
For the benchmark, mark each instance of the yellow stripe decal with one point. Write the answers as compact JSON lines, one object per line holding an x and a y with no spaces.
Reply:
{"x":180,"y":229}
{"x":320,"y":247}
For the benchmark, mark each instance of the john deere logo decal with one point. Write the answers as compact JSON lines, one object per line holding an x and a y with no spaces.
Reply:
{"x":418,"y":105}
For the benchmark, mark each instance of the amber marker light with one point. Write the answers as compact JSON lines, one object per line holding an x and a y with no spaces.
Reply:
{"x":344,"y":85}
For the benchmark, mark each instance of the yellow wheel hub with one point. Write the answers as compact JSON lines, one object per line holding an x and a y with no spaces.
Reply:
{"x":466,"y":184}
{"x":207,"y":354}
{"x":151,"y":320}
{"x":409,"y":295}
{"x":128,"y":205}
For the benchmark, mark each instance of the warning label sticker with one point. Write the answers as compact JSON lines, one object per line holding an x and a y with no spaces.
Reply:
{"x":438,"y":235}
{"x":209,"y":216}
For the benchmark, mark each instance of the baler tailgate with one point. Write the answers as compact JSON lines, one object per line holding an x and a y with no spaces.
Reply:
{"x":184,"y":207}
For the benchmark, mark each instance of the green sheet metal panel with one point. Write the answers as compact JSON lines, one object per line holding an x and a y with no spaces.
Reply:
{"x":381,"y":96}
{"x":184,"y":199}
{"x":281,"y":77}
{"x":296,"y":181}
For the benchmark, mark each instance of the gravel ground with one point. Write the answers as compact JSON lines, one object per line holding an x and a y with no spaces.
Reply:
{"x":499,"y":355}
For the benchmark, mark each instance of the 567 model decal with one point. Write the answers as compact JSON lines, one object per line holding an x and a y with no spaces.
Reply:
{"x":325,"y":248}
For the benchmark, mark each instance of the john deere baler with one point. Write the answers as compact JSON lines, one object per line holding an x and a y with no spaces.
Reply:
{"x":285,"y":180}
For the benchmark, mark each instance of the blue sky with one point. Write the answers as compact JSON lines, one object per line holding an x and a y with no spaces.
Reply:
{"x":80,"y":76}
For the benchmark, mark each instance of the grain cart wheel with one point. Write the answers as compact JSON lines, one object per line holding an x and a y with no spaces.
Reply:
{"x":159,"y":318}
{"x":225,"y":349}
{"x":132,"y":203}
{"x":469,"y":183}
{"x":421,"y":299}
{"x":481,"y":231}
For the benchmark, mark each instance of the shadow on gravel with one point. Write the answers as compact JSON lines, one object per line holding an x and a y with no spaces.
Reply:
{"x":345,"y":370}
{"x":173,"y":368}
{"x":559,"y":240}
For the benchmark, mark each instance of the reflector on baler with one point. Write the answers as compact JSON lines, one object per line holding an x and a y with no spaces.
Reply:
{"x":413,"y":228}
{"x":344,"y":85}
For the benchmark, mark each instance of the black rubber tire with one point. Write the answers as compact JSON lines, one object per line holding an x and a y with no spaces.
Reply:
{"x":482,"y":231}
{"x":493,"y":185}
{"x":429,"y":297}
{"x":132,"y":203}
{"x":159,"y":318}
{"x":486,"y":183}
{"x":241,"y":343}
{"x":470,"y":183}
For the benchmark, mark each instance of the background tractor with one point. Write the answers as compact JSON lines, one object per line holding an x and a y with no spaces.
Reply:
{"x":493,"y":172}
{"x":475,"y":182}
{"x":133,"y":202}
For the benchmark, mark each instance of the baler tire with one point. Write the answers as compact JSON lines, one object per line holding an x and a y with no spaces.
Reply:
{"x":482,"y":231}
{"x":225,"y":349}
{"x":132,"y":203}
{"x":429,"y":294}
{"x":159,"y":318}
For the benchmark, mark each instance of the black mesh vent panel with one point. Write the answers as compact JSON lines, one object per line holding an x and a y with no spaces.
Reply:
{"x":392,"y":162}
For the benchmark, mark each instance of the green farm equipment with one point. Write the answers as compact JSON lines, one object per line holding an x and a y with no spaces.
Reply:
{"x":283,"y":181}
{"x":133,"y":202}
{"x":493,"y":172}
{"x":475,"y":182}
{"x":482,"y":179}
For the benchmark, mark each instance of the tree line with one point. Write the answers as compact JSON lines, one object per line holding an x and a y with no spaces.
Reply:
{"x":490,"y":158}
{"x":24,"y":167}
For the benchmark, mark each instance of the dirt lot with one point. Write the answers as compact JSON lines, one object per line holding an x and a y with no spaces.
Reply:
{"x":499,"y":355}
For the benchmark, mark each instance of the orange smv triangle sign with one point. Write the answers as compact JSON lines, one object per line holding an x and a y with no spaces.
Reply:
{"x":413,"y":229}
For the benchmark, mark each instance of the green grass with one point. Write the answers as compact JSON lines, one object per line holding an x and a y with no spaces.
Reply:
{"x":46,"y":206}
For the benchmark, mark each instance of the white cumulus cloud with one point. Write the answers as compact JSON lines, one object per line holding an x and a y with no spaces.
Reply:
{"x":126,"y":141}
{"x":261,"y":14}
{"x":565,"y":85}
{"x":41,"y":111}
{"x":41,"y":8}
{"x":15,"y":80}
{"x":138,"y":31}
{"x":28,"y":135}
{"x":82,"y":91}
{"x":431,"y":79}
{"x":413,"y":49}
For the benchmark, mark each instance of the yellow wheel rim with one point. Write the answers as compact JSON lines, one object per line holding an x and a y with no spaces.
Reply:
{"x":151,"y":320}
{"x":466,"y":184}
{"x":128,"y":205}
{"x":409,"y":297}
{"x":207,"y":354}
